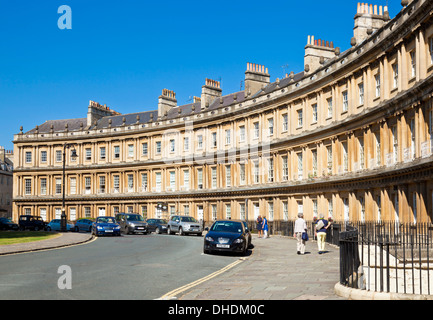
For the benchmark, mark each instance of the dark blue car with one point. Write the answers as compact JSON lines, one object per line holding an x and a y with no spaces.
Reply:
{"x":227,"y":235}
{"x":105,"y":226}
{"x":157,"y":225}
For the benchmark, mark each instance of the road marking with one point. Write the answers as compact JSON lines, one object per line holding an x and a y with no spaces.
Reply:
{"x":172,"y":294}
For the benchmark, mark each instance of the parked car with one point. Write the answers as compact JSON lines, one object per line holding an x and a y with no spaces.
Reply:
{"x":83,"y":225}
{"x":8,"y":224}
{"x":226,"y":235}
{"x":105,"y":225}
{"x":131,"y":223}
{"x":35,"y":223}
{"x":157,"y":225}
{"x":55,"y":225}
{"x":184,"y":225}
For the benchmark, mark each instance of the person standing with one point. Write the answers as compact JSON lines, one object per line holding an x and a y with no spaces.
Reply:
{"x":321,"y":226}
{"x":265,"y":227}
{"x":259,"y":222}
{"x":300,"y":228}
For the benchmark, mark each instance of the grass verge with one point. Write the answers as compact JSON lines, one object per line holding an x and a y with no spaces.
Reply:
{"x":13,"y":237}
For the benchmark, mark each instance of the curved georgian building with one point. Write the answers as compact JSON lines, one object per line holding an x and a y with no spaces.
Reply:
{"x":350,"y":137}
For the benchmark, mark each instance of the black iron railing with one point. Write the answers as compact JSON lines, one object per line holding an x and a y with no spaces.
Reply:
{"x":387,"y":257}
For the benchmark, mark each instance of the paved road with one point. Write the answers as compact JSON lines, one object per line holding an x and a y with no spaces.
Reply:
{"x":127,"y":267}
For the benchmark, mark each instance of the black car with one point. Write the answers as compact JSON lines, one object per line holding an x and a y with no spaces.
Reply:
{"x":7,"y":224}
{"x":35,"y":223}
{"x":226,"y":235}
{"x":157,"y":225}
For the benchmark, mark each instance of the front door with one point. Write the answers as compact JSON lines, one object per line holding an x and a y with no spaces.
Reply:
{"x":101,"y":212}
{"x":200,"y":213}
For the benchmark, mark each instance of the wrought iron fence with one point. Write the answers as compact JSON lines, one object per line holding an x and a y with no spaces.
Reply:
{"x":387,"y":257}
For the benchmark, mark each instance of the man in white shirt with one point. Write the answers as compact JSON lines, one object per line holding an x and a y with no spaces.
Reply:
{"x":300,"y":227}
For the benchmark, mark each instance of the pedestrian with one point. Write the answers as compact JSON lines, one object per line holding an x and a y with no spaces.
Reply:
{"x":321,"y":226}
{"x":259,"y":222}
{"x":265,"y":227}
{"x":300,"y":228}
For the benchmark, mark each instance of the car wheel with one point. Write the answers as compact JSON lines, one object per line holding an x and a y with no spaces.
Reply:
{"x":181,"y":231}
{"x":244,"y":252}
{"x":76,"y":229}
{"x":169,"y":230}
{"x":157,"y":231}
{"x":48,"y":228}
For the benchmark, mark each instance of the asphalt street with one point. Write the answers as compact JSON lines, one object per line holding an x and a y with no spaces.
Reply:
{"x":128,"y":267}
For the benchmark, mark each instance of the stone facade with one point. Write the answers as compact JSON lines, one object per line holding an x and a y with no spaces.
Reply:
{"x":350,"y":137}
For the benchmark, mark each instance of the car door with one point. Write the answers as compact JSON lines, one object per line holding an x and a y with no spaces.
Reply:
{"x":172,"y":223}
{"x":151,"y":225}
{"x":89,"y":224}
{"x":176,"y":223}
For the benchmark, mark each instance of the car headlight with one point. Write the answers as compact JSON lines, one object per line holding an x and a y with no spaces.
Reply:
{"x":240,"y":240}
{"x":117,"y":227}
{"x":132,"y":225}
{"x":209,"y":238}
{"x":99,"y":228}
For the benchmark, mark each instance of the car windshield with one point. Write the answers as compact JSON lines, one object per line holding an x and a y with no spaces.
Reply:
{"x":160,"y":221}
{"x":134,"y":217}
{"x":105,"y":220}
{"x":5,"y":220}
{"x":187,"y":219}
{"x":227,"y":226}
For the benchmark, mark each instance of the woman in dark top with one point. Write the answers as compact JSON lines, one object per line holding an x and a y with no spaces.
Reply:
{"x":259,"y":222}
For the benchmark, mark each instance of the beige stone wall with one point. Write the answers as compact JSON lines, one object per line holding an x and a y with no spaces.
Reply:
{"x":356,"y":134}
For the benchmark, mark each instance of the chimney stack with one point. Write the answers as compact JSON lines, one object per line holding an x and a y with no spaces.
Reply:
{"x":256,"y":77}
{"x":210,"y":91}
{"x":166,"y":101}
{"x":96,"y":111}
{"x":2,"y":154}
{"x":368,"y":19}
{"x":317,"y":52}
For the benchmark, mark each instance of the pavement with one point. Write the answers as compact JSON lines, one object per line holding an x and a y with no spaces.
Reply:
{"x":272,"y":271}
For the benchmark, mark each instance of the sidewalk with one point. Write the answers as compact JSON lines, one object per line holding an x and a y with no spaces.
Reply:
{"x":63,"y":240}
{"x":274,"y":271}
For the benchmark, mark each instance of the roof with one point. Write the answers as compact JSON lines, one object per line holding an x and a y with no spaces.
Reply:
{"x":60,"y":125}
{"x":135,"y":118}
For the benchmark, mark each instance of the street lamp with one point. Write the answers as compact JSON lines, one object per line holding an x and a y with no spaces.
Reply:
{"x":73,"y":155}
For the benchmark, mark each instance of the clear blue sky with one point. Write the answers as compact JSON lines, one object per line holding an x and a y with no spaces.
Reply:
{"x":123,"y":53}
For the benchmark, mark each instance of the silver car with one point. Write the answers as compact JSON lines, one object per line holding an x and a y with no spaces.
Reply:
{"x":184,"y":225}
